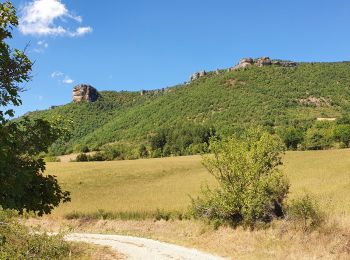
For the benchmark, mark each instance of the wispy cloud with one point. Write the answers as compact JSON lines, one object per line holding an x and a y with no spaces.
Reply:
{"x":56,"y":74}
{"x":63,"y":78}
{"x":83,"y":30}
{"x":40,"y":17}
{"x":43,"y":43}
{"x":41,"y":46}
{"x":67,"y":80}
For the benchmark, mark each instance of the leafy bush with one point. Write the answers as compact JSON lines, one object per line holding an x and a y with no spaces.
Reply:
{"x":306,"y":211}
{"x":82,"y":158}
{"x":251,"y":187}
{"x":291,"y":136}
{"x":85,"y":149}
{"x":17,"y":242}
{"x":112,"y":153}
{"x":98,"y":156}
{"x":143,"y":152}
{"x":342,"y":134}
{"x":320,"y":136}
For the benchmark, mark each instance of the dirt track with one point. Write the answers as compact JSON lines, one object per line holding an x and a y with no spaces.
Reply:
{"x":141,"y":248}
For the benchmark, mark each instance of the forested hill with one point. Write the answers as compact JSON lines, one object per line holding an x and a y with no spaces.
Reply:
{"x":271,"y":96}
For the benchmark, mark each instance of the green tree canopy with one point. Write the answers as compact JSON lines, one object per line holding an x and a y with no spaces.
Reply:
{"x":15,"y":66}
{"x":22,"y":183}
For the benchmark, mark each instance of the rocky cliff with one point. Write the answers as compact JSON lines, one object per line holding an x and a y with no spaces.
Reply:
{"x":84,"y":92}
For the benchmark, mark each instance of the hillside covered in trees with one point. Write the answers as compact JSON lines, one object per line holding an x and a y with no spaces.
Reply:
{"x":307,"y":105}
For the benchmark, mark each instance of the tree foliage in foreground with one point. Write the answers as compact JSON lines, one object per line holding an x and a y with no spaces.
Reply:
{"x":251,"y":188}
{"x":22,"y":183}
{"x":15,"y":66}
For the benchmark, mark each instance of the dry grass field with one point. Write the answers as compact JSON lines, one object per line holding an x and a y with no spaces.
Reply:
{"x":140,"y":185}
{"x":165,"y":184}
{"x":146,"y":185}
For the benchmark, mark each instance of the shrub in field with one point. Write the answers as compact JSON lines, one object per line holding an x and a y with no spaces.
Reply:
{"x":85,"y":149}
{"x":251,"y":187}
{"x":142,"y":151}
{"x":111,"y":153}
{"x":306,"y":211}
{"x":82,"y":158}
{"x":98,"y":156}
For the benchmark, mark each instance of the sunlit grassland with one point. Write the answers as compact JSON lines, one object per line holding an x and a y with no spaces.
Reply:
{"x":325,"y":174}
{"x":139,"y":185}
{"x":165,"y":184}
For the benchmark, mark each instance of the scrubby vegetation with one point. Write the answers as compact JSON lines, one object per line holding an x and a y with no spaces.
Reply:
{"x":251,"y":188}
{"x":306,"y":213}
{"x":181,"y":140}
{"x":18,"y":242}
{"x":283,"y":100}
{"x":318,"y":135}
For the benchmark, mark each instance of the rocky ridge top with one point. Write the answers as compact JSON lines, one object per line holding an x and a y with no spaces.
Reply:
{"x":261,"y":62}
{"x":248,"y":62}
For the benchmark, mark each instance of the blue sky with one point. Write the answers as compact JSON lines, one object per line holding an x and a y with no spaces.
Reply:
{"x":148,"y":44}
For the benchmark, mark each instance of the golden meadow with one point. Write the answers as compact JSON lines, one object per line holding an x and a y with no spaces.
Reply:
{"x":166,"y":184}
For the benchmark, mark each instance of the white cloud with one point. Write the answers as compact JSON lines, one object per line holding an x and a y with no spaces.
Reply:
{"x":56,"y":74}
{"x":80,"y":31}
{"x":39,"y":17}
{"x":67,"y":80}
{"x":63,"y":78}
{"x":41,"y":46}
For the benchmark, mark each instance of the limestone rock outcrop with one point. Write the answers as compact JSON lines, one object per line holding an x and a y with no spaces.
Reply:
{"x":245,"y":62}
{"x":261,"y":62}
{"x":314,"y":101}
{"x":289,"y":64}
{"x":197,"y":75}
{"x":84,"y":92}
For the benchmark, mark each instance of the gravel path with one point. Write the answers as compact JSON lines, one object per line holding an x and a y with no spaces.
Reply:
{"x":141,"y":248}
